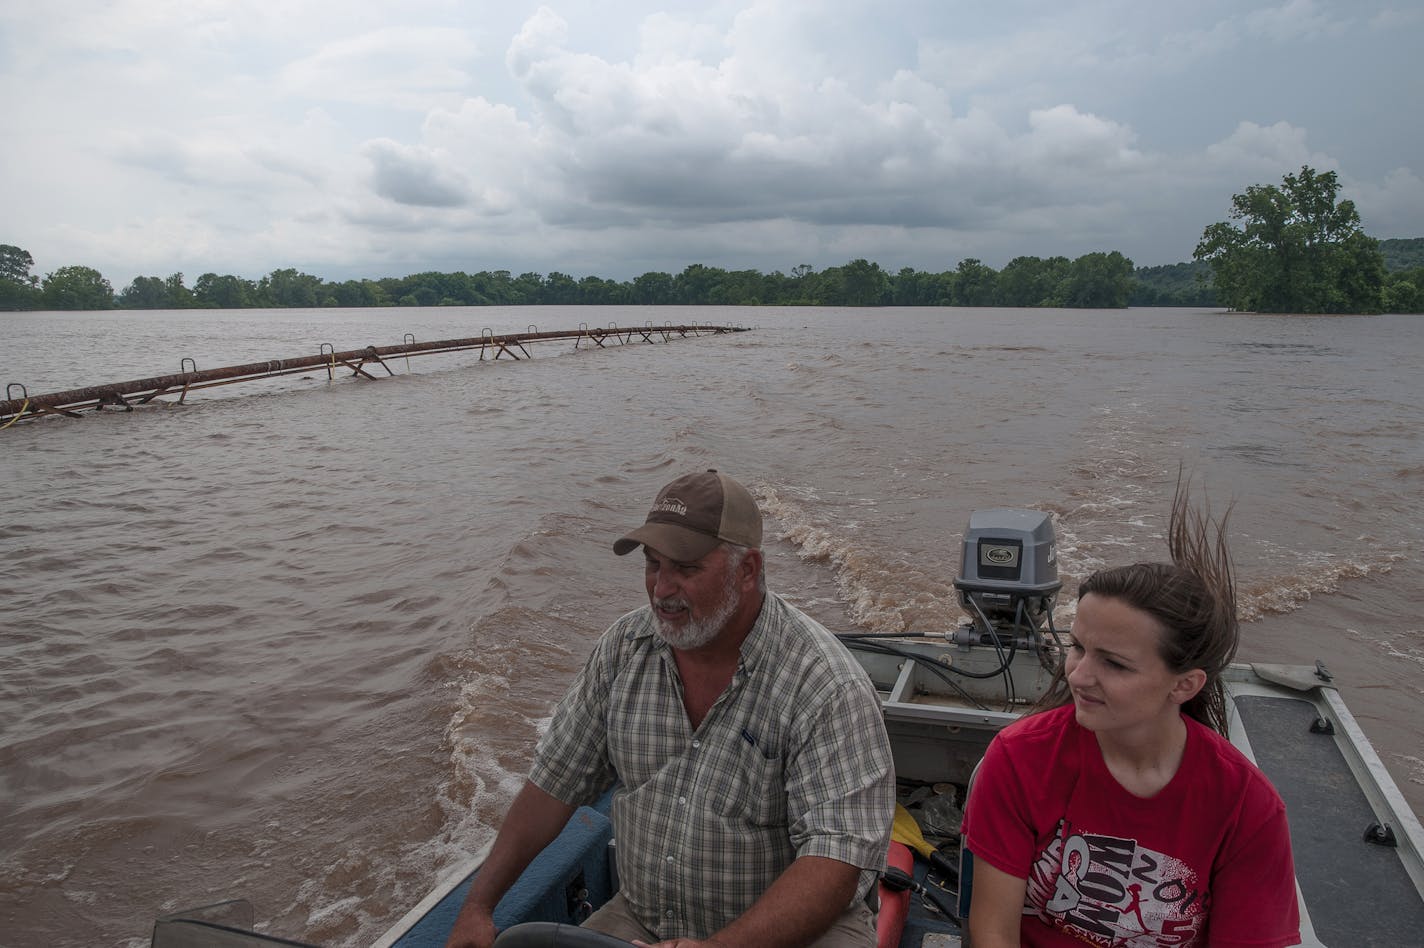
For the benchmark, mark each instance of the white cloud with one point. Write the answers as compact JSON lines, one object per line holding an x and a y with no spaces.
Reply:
{"x":1393,"y":207}
{"x":1063,"y":136}
{"x":401,"y":67}
{"x":1295,"y":19}
{"x":665,"y":37}
{"x":352,"y":138}
{"x":414,"y":175}
{"x":1396,"y":18}
{"x":1272,"y":151}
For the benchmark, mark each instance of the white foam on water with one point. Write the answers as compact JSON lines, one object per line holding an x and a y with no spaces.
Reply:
{"x":480,"y":784}
{"x":880,"y":592}
{"x":1402,"y":646}
{"x":1414,"y":766}
{"x":325,"y":913}
{"x":1318,"y":573}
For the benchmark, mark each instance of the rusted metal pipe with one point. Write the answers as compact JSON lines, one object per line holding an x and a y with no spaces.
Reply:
{"x":146,"y":390}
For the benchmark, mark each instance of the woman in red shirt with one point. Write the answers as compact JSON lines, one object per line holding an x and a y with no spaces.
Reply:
{"x":1120,"y":814}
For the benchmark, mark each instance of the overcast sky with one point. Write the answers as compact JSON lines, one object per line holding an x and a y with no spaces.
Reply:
{"x":611,"y":137}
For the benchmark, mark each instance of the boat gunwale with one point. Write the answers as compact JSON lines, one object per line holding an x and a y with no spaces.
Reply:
{"x":447,"y":883}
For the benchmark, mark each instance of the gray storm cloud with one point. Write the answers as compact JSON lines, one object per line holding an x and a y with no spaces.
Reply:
{"x":410,"y":176}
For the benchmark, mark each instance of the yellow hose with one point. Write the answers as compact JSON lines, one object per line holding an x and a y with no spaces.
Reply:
{"x":17,"y":415}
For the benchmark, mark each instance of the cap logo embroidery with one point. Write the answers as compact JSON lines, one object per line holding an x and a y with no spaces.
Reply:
{"x":671,"y":505}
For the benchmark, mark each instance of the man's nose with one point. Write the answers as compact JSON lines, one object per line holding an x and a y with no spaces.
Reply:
{"x":663,"y":585}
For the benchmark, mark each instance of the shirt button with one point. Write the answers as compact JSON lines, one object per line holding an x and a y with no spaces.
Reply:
{"x":696,"y":744}
{"x":669,"y":914}
{"x":669,"y":859}
{"x":682,"y":800}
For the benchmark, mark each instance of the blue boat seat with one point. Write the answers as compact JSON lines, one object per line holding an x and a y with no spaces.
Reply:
{"x":564,"y":883}
{"x":547,"y":891}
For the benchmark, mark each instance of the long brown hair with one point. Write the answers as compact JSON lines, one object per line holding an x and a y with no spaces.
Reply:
{"x":1193,"y":598}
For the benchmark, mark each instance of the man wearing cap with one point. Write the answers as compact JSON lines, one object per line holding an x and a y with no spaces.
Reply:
{"x":754,"y":784}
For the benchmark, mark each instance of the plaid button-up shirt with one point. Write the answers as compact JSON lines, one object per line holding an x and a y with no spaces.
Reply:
{"x":792,"y":760}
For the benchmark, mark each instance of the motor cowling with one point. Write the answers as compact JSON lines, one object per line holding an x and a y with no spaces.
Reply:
{"x":1009,"y":565}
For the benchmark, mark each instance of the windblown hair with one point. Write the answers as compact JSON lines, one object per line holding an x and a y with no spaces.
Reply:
{"x":1193,"y":598}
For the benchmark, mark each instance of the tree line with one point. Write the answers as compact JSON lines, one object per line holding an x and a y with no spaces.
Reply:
{"x":1296,"y":250}
{"x":1098,"y":280}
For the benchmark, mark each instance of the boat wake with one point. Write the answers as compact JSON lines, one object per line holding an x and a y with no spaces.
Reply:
{"x":1317,"y":574}
{"x":879,"y":591}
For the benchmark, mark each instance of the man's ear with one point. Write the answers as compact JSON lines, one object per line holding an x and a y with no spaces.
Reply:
{"x":749,"y":569}
{"x":1187,"y":685}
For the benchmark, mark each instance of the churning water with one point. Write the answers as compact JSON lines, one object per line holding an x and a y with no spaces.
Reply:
{"x":293,"y":641}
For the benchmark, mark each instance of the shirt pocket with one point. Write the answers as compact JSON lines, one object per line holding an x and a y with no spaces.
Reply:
{"x":750,"y":787}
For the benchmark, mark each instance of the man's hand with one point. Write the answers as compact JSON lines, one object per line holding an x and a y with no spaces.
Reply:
{"x":534,"y":819}
{"x":474,"y":928}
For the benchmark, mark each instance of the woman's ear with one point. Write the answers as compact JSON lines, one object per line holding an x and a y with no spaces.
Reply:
{"x":1187,"y":685}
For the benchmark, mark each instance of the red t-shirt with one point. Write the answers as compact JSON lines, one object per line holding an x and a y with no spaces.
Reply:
{"x":1207,"y":860}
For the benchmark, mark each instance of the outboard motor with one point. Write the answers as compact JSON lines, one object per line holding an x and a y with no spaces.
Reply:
{"x":1008,"y":577}
{"x":1007,"y":650}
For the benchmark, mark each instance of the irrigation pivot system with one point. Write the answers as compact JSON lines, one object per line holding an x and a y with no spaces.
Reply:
{"x":20,"y":405}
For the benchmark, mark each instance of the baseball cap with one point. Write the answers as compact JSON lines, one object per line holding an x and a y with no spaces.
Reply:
{"x":694,"y":513}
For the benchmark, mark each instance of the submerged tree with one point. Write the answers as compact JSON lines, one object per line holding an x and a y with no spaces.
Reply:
{"x":1092,"y":280}
{"x":149,"y":292}
{"x":1097,"y":281}
{"x":974,"y":283}
{"x":18,"y":288}
{"x":1297,"y":251}
{"x":1032,"y":281}
{"x":223,"y":292}
{"x":864,"y":283}
{"x":77,"y":288}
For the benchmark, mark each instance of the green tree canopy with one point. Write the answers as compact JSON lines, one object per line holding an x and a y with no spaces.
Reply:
{"x":77,"y":288}
{"x":1092,"y":280}
{"x":1296,"y":251}
{"x":653,"y":288}
{"x":223,"y":292}
{"x":1096,"y":281}
{"x":144,"y":293}
{"x":1175,"y":284}
{"x":290,"y":288}
{"x":17,"y":286}
{"x":154,"y":293}
{"x":865,"y":283}
{"x":975,"y":284}
{"x":1403,"y":253}
{"x":1032,"y":281}
{"x":1405,"y":293}
{"x":912,"y":287}
{"x":15,"y":265}
{"x":560,"y":289}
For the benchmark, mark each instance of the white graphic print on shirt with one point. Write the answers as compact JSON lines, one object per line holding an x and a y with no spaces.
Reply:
{"x":1105,"y":890}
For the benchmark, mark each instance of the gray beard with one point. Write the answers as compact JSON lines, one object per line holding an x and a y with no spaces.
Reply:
{"x":696,"y":633}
